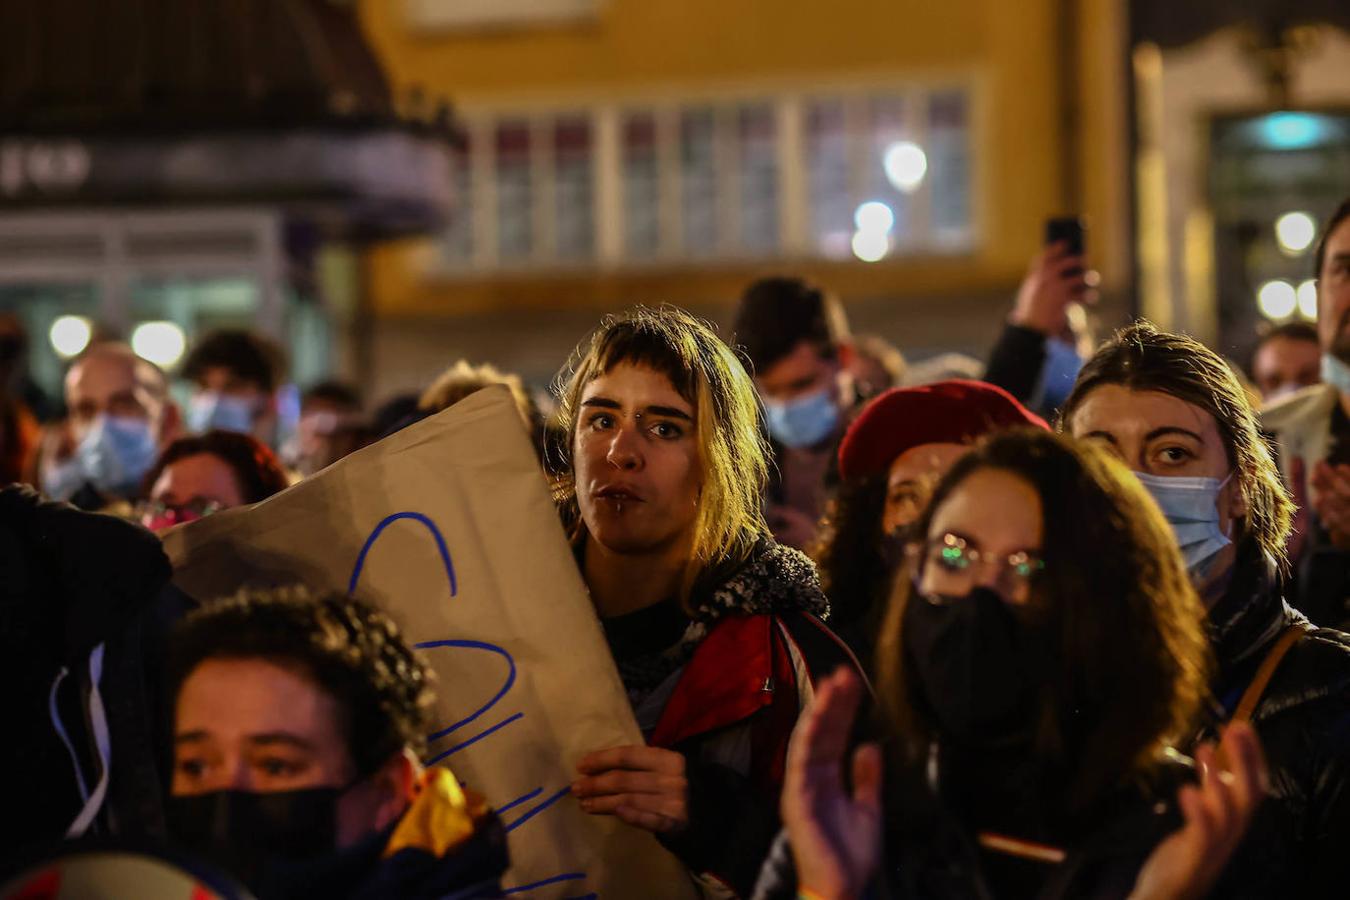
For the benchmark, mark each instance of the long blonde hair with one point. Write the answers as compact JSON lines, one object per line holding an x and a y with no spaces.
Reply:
{"x":732,"y":453}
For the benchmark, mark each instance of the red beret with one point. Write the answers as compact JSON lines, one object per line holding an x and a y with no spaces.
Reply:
{"x":947,"y":412}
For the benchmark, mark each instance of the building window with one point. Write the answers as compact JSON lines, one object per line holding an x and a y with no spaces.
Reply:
{"x":860,"y":173}
{"x":573,"y":189}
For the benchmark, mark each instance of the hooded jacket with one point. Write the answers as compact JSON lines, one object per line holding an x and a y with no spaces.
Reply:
{"x":84,"y":604}
{"x":727,"y":694}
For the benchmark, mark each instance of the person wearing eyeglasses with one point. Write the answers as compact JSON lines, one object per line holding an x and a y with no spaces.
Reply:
{"x":1032,"y":687}
{"x":892,"y":456}
{"x":198,"y":475}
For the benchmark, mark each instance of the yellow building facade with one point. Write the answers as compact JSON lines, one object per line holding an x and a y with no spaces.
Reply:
{"x":1044,"y":85}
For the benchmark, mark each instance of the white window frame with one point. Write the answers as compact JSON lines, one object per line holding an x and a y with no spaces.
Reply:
{"x":796,"y":240}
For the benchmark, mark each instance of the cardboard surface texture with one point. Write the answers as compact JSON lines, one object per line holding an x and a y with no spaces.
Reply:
{"x":449,"y":527}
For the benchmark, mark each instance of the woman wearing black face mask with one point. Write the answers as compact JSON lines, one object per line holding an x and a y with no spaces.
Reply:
{"x":1033,"y":685}
{"x":890,"y":459}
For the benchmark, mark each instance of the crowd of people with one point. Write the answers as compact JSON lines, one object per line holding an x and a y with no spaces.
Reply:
{"x":1068,"y":630}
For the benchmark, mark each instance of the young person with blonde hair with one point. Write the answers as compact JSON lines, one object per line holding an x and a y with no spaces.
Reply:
{"x":716,"y":629}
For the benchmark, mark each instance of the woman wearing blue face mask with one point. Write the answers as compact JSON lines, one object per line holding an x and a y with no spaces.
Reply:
{"x":1173,"y":411}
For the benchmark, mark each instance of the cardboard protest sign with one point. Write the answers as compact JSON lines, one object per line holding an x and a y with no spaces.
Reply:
{"x":448,"y":526}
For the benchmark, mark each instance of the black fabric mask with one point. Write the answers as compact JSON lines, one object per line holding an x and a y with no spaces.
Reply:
{"x":971,"y":655}
{"x":251,"y":835}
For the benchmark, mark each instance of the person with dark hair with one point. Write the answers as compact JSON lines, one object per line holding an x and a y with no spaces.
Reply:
{"x":1287,"y":358}
{"x":235,"y":375}
{"x":1032,"y":687}
{"x":19,"y":428}
{"x":1175,"y":413}
{"x":203,"y":473}
{"x":892,"y":456}
{"x":1041,"y":347}
{"x":330,"y":427}
{"x":298,"y":720}
{"x":796,"y":340}
{"x":120,"y":417}
{"x":715,"y":628}
{"x":1312,"y":433}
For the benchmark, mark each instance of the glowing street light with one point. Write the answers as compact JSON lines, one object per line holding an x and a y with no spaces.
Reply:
{"x":1295,"y":232}
{"x":874,"y":216}
{"x":870,"y":246}
{"x":1307,"y":299}
{"x":70,"y":335}
{"x":162,"y":343}
{"x":905,"y":164}
{"x":1277,"y":299}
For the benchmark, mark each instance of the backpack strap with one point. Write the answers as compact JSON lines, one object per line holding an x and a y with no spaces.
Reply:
{"x":1252,"y":696}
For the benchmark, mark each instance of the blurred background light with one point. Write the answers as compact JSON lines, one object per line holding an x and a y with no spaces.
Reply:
{"x":874,"y":216}
{"x":162,"y":343}
{"x":1277,"y":299}
{"x":870,"y":246}
{"x":1307,"y":299}
{"x":1292,"y":130}
{"x":70,"y":335}
{"x":1295,"y":232}
{"x":905,"y":164}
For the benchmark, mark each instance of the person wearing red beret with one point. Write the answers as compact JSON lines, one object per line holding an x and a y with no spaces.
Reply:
{"x":890,"y":458}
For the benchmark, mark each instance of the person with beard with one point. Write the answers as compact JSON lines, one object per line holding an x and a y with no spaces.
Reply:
{"x":892,"y":455}
{"x":1174,"y":412}
{"x":715,"y":628}
{"x":298,"y":720}
{"x":1032,"y":688}
{"x":1312,"y":432}
{"x":120,"y":417}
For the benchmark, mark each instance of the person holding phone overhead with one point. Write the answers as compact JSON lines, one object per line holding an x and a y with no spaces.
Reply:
{"x":1039,"y":353}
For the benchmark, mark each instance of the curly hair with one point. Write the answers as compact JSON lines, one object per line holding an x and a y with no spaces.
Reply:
{"x":246,"y":355}
{"x":1142,"y":358}
{"x":853,"y":571}
{"x":1127,"y":660}
{"x":350,"y":650}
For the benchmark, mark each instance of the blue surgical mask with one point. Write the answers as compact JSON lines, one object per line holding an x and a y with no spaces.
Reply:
{"x":803,"y":422}
{"x":1058,"y":374}
{"x":114,"y":456}
{"x":1191,"y":507}
{"x":1336,"y":373}
{"x":212,"y":410}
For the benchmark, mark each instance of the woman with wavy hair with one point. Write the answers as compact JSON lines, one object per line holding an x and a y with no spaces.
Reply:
{"x":1033,"y":686}
{"x":716,"y":630}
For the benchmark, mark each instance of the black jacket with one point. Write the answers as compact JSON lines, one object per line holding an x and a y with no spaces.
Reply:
{"x":1016,"y":361}
{"x":1297,"y":842}
{"x":75,"y":582}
